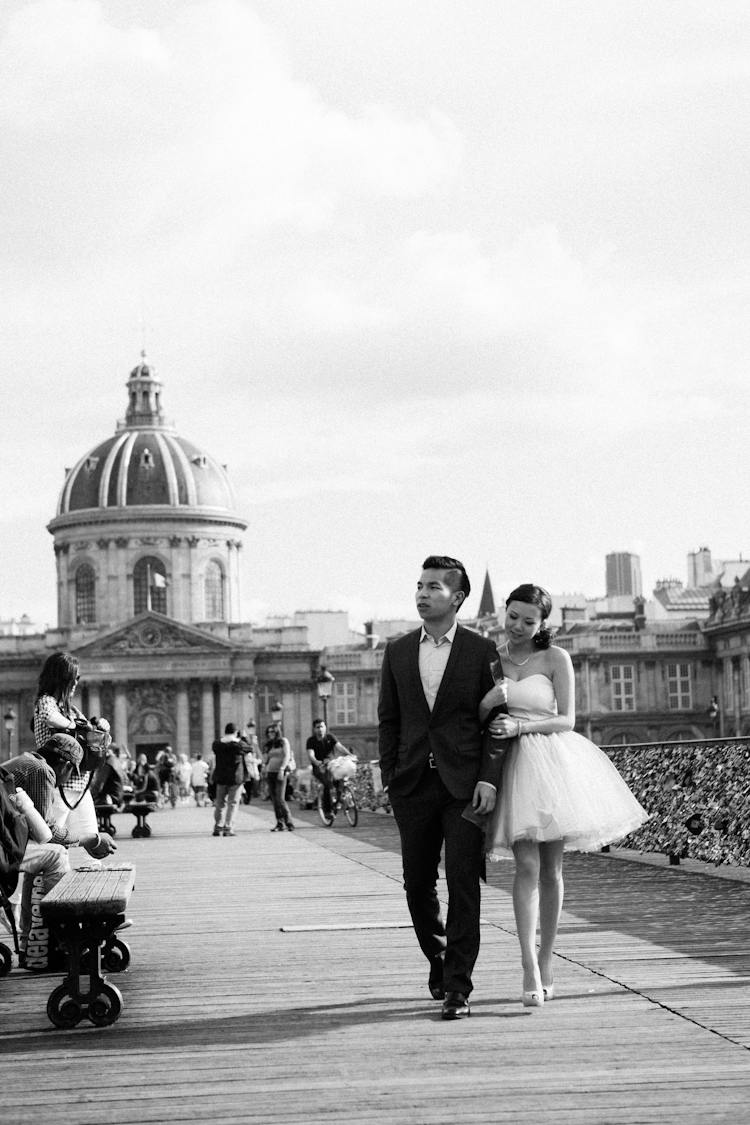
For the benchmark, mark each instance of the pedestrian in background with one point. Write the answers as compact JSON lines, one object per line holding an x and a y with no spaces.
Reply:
{"x":229,"y":777}
{"x":199,"y":779}
{"x":277,"y":757}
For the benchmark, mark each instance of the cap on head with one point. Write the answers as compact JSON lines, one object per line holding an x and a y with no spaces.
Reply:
{"x":64,"y":748}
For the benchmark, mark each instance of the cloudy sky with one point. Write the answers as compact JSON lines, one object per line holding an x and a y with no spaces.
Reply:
{"x":463,"y":276}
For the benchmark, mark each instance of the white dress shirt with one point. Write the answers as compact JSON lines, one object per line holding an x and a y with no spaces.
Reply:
{"x":433,"y":657}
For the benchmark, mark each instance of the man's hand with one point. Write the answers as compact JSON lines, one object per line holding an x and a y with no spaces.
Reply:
{"x":98,"y":844}
{"x":484,"y":797}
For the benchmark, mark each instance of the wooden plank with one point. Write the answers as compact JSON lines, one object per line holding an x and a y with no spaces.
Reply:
{"x":243,"y":1005}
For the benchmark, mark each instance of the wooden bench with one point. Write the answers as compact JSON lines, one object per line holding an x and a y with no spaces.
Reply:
{"x":84,"y":909}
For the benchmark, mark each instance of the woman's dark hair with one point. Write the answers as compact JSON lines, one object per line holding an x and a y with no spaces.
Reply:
{"x":58,"y":677}
{"x":538,"y":596}
{"x":273,"y":736}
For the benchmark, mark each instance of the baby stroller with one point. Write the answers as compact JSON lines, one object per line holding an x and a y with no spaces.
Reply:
{"x":14,"y":834}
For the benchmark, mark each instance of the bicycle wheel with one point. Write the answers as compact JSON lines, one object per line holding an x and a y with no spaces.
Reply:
{"x":351,"y":812}
{"x":327,"y":818}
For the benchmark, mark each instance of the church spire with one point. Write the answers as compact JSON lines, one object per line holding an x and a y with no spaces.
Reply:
{"x":487,"y":603}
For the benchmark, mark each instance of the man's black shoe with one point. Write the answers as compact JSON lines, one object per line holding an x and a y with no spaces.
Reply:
{"x":435,"y":981}
{"x":455,"y":1006}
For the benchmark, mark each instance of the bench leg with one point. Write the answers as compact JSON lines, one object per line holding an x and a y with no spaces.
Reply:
{"x":101,"y":1002}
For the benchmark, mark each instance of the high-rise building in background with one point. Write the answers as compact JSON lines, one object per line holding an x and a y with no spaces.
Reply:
{"x":623,"y":574}
{"x":700,"y":568}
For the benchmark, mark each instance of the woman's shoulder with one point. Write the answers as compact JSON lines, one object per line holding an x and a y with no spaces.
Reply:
{"x":558,"y":657}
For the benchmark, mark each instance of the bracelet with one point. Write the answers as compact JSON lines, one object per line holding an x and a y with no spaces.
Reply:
{"x":518,"y":733}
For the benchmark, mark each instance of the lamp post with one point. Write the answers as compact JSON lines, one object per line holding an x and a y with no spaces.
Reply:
{"x":9,"y":719}
{"x":276,"y":712}
{"x":325,"y":687}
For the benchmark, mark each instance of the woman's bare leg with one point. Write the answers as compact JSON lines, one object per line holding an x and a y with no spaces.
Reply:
{"x":526,"y":908}
{"x":551,"y":890}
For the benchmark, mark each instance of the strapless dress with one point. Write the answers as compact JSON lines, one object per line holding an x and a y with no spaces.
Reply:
{"x":557,"y":786}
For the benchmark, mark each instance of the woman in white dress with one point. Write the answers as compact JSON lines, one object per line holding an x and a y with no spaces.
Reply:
{"x":559,"y":793}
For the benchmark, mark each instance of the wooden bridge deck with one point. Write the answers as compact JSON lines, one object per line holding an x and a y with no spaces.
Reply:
{"x":228,"y":1018}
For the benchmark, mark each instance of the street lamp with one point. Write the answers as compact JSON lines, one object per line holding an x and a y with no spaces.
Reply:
{"x":276,"y":712}
{"x":325,"y":687}
{"x":10,"y":725}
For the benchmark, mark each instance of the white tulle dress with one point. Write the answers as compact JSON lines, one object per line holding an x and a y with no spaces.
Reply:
{"x":557,"y":786}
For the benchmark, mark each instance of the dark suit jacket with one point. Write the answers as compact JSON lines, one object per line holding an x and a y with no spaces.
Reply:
{"x":409,"y":731}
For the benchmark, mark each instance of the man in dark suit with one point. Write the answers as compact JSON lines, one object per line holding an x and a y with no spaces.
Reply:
{"x":433,"y":764}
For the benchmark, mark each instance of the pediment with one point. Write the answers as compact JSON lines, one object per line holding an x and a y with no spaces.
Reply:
{"x":153,"y":632}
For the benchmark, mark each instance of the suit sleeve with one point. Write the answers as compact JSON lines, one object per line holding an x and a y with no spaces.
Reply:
{"x":493,"y":754}
{"x":389,"y":720}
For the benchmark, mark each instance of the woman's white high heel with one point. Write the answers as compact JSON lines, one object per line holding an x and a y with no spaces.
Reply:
{"x":548,"y":991}
{"x":533,"y":999}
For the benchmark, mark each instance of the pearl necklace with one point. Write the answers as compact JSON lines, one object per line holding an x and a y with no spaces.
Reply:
{"x":523,"y":662}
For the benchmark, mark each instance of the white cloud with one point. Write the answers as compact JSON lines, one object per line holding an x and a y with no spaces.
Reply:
{"x":198,"y":133}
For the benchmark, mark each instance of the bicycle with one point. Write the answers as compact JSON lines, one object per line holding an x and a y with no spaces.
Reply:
{"x":342,"y":797}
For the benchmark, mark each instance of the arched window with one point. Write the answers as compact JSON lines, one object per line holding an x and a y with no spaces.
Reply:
{"x":622,"y":739}
{"x":149,"y":586}
{"x":214,"y":592}
{"x":85,"y":595}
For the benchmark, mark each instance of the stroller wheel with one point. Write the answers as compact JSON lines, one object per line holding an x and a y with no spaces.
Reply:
{"x":6,"y":960}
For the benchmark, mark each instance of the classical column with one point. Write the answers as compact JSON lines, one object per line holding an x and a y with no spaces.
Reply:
{"x":207,"y":715}
{"x":183,"y":720}
{"x":121,"y":716}
{"x":737,"y":694}
{"x":95,"y":702}
{"x":226,"y":705}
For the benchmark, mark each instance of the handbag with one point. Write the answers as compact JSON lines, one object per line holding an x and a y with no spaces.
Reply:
{"x":94,"y":743}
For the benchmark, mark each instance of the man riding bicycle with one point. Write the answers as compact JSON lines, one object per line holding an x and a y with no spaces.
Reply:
{"x":322,"y":748}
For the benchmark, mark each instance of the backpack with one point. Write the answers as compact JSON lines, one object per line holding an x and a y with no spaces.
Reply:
{"x":14,"y":834}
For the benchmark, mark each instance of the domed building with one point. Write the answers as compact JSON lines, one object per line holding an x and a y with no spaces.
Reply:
{"x":146,"y":521}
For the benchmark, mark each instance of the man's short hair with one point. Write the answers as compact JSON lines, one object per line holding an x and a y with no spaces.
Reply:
{"x":455,"y":572}
{"x":230,"y":728}
{"x":319,"y":723}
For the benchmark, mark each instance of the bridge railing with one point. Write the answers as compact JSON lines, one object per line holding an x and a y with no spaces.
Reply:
{"x":698,"y":795}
